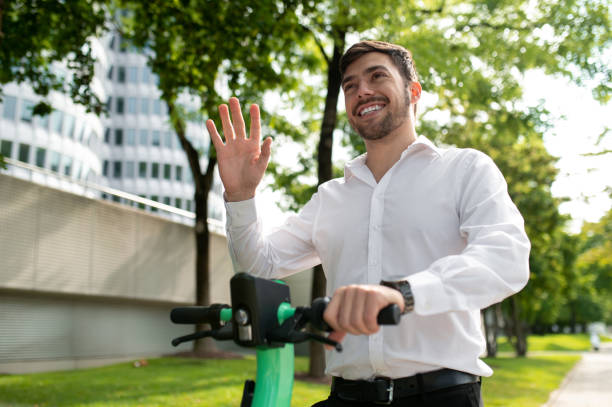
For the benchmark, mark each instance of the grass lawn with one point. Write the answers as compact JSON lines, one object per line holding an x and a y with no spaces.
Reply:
{"x":553,"y":342}
{"x":218,"y":383}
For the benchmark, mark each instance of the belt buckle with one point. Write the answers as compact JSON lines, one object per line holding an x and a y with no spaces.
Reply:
{"x":388,"y":390}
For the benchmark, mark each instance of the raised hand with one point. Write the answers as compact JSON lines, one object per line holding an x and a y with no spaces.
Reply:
{"x":242,"y":160}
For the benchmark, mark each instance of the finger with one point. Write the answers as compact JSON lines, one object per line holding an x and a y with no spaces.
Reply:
{"x":237,"y":120}
{"x":214,"y":134}
{"x":357,"y":311}
{"x":264,"y":156}
{"x":370,"y":314}
{"x":331,"y":312}
{"x":345,"y":314}
{"x":228,"y":129}
{"x":335,"y":336}
{"x":255,"y":131}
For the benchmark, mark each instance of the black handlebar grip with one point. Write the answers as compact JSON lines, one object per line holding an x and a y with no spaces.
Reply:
{"x":390,"y":315}
{"x":197,"y":315}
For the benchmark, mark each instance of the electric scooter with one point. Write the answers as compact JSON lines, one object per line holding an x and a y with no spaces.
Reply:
{"x":261,"y":317}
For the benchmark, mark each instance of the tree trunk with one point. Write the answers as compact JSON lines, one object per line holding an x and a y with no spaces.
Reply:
{"x":520,"y":336}
{"x":324,"y":172}
{"x":491,"y":326}
{"x":202,"y":184}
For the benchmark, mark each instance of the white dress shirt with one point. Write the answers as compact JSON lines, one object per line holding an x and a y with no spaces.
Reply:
{"x":440,"y":218}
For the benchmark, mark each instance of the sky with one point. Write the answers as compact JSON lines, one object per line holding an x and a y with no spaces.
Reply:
{"x":578,"y":120}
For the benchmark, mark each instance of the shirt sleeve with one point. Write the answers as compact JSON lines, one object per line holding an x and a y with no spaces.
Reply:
{"x":283,"y":251}
{"x":495,"y":261}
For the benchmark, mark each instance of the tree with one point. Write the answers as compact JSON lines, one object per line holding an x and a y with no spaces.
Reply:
{"x":35,"y":35}
{"x":471,"y":56}
{"x":189,"y":46}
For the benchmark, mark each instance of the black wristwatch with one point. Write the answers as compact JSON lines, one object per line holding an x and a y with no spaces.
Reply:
{"x":403,"y":287}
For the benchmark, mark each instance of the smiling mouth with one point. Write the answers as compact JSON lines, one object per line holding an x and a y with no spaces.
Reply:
{"x":370,"y":109}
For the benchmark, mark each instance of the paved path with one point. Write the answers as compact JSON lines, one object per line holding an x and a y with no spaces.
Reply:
{"x":588,"y":384}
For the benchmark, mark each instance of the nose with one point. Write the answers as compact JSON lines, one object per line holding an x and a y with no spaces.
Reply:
{"x":364,"y":89}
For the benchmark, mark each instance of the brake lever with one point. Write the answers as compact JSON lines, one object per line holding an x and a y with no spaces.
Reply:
{"x":290,"y":331}
{"x":223,"y":333}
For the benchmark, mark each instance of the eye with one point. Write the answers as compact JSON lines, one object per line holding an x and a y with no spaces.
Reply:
{"x":348,"y":86}
{"x":377,"y":75}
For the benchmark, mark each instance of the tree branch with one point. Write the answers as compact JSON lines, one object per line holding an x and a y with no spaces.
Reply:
{"x":317,"y":41}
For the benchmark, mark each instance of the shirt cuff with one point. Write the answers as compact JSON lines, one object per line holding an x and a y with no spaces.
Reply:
{"x":241,"y":213}
{"x":427,"y":289}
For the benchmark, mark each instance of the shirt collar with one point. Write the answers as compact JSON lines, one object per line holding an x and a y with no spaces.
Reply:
{"x":420,"y":143}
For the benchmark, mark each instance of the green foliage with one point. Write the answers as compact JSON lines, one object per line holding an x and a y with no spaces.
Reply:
{"x":37,"y":36}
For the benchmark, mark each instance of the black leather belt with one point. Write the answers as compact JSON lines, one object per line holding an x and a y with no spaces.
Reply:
{"x":382,"y":390}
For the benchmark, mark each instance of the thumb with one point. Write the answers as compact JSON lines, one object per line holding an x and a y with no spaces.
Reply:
{"x":335,"y":336}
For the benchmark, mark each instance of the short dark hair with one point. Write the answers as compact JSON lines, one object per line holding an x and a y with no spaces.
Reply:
{"x":401,"y":57}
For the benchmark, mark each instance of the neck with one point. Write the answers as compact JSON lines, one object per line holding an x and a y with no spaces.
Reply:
{"x":385,"y":152}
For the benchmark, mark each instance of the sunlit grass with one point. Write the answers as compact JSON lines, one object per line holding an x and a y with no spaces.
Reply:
{"x":552,"y":342}
{"x":522,"y":382}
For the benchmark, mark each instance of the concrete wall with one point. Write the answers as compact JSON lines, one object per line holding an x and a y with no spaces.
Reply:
{"x":84,"y":281}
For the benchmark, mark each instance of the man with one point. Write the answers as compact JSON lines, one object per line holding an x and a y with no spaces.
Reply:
{"x":431,"y":230}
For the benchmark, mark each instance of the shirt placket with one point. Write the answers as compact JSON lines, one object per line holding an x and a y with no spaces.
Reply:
{"x":375,"y":341}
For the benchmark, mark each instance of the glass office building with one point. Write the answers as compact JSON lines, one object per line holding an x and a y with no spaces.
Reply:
{"x":132,"y":148}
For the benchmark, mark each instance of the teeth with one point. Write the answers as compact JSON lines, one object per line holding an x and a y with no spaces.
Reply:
{"x":370,"y":109}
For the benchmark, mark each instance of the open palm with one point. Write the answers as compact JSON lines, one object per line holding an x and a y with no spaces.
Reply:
{"x":242,"y":160}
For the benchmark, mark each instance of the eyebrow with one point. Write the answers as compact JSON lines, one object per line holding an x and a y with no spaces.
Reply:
{"x":366,"y":71}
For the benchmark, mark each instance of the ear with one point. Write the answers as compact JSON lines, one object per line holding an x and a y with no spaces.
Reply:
{"x":415,"y":91}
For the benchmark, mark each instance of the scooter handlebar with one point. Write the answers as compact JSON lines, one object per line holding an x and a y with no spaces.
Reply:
{"x":197,"y":315}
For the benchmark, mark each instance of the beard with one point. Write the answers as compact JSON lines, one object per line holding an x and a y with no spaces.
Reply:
{"x":391,"y":121}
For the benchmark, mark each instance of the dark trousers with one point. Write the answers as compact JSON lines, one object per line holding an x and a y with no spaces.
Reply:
{"x":465,"y":395}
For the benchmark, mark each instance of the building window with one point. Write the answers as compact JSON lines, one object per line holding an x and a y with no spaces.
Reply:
{"x":109,"y":75}
{"x":56,"y":121}
{"x":123,"y":45}
{"x":167,"y":139}
{"x":155,"y":79}
{"x":120,"y":105}
{"x":155,"y":170}
{"x":140,"y":204}
{"x":155,"y":139}
{"x":142,"y":169}
{"x":132,"y":74}
{"x":43,"y":121}
{"x":167,"y":200}
{"x":118,"y":137}
{"x":188,"y":205}
{"x":144,"y":106}
{"x":167,"y":171}
{"x":109,"y":103}
{"x":111,"y":45}
{"x":156,"y":199}
{"x":26,"y":111}
{"x":105,"y":168}
{"x":55,"y":161}
{"x":69,"y":125}
{"x":107,"y":135}
{"x":146,"y":74}
{"x":130,"y":137}
{"x":178,"y":202}
{"x":156,"y":107}
{"x":121,"y":74}
{"x":144,"y":137}
{"x":5,"y":148}
{"x":40,"y":157}
{"x":129,"y":169}
{"x":9,"y":106}
{"x":117,"y":169}
{"x":67,"y":166}
{"x":178,"y":174}
{"x":132,"y":105}
{"x":24,"y":152}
